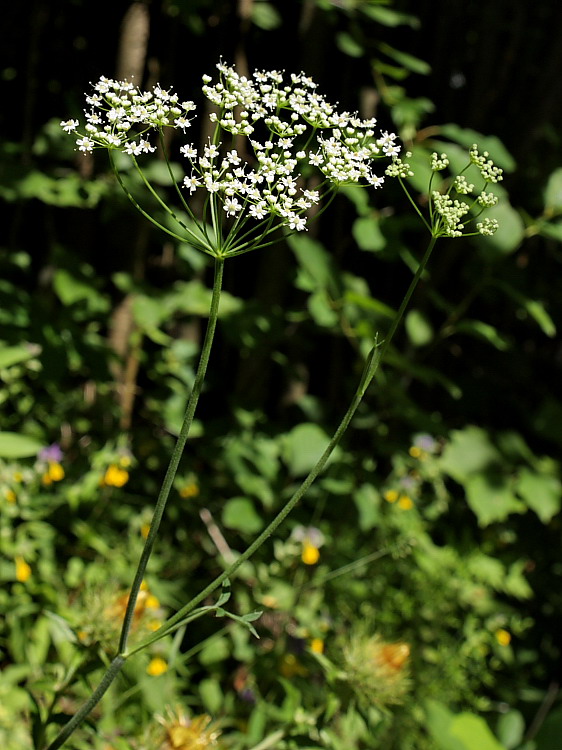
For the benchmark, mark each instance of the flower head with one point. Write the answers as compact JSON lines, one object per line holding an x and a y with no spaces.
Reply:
{"x":184,"y":733}
{"x":291,"y":132}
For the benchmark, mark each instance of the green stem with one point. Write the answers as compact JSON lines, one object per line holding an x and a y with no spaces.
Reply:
{"x":369,"y":371}
{"x":139,"y":208}
{"x":93,"y":700}
{"x":119,"y":660}
{"x":176,"y":455}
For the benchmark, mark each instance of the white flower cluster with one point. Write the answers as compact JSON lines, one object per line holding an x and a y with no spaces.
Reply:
{"x":120,"y":114}
{"x":450,"y":212}
{"x":487,"y":227}
{"x":399,"y":168}
{"x":289,"y":129}
{"x":488,"y":170}
{"x":462,"y":186}
{"x":439,"y":163}
{"x":446,"y":212}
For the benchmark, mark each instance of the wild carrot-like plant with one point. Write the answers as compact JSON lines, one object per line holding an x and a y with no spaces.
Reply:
{"x":277,"y":155}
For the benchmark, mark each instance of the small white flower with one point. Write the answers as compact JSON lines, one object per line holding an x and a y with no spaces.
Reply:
{"x":69,"y":126}
{"x":297,"y":222}
{"x":188,"y":151}
{"x":232,"y":206}
{"x":192,"y":183}
{"x":85,"y":144}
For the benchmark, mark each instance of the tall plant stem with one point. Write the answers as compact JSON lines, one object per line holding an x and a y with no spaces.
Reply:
{"x":176,"y":455}
{"x":369,"y":372}
{"x":119,"y":660}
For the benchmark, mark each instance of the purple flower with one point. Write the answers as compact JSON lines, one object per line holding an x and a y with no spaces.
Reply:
{"x":425,"y":442}
{"x":51,"y":453}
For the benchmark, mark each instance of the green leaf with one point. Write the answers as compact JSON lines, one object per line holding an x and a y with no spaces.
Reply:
{"x":418,"y":328}
{"x":211,"y":694}
{"x":541,"y":492}
{"x":463,"y":731}
{"x":70,"y":290}
{"x":484,"y":331}
{"x":366,"y":232}
{"x":388,"y":16}
{"x":239,"y":513}
{"x":348,"y":45}
{"x":265,"y":15}
{"x":438,"y":722}
{"x":511,"y":231}
{"x":302,"y":447}
{"x":321,"y":310}
{"x":490,"y":498}
{"x":14,"y":445}
{"x":157,"y":173}
{"x":553,"y":192}
{"x":367,"y":500}
{"x":414,"y":64}
{"x":215,"y":650}
{"x":15,"y":355}
{"x":468,"y":452}
{"x":536,"y":310}
{"x":473,"y":731}
{"x":315,"y":262}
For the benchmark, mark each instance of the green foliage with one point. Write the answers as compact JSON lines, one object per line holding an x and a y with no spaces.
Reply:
{"x":437,"y":521}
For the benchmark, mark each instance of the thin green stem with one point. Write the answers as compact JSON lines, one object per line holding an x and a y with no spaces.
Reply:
{"x":412,"y":201}
{"x":176,"y":455}
{"x":192,"y":236}
{"x":369,"y":372}
{"x":93,"y":700}
{"x":181,"y":617}
{"x":139,"y":208}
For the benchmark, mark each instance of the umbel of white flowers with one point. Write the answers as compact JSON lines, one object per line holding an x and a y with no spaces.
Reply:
{"x":446,"y":213}
{"x":268,"y":132}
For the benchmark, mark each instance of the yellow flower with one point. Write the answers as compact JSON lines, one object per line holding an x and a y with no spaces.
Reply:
{"x":157,"y":666}
{"x":55,"y":471}
{"x":18,"y":477}
{"x":46,"y":479}
{"x":152,"y":602}
{"x":115,"y":477}
{"x":415,"y":452}
{"x":391,"y":496}
{"x":145,"y":528}
{"x":317,"y":645}
{"x":23,"y":570}
{"x":183,"y":733}
{"x":405,"y":502}
{"x":310,"y":553}
{"x":189,"y":490}
{"x":10,"y":496}
{"x":503,"y":637}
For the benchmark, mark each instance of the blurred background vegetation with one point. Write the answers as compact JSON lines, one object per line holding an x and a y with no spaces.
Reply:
{"x":437,"y":524}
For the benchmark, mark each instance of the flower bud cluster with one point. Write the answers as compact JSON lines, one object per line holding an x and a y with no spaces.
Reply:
{"x":488,"y":170}
{"x":289,"y":130}
{"x":446,"y":212}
